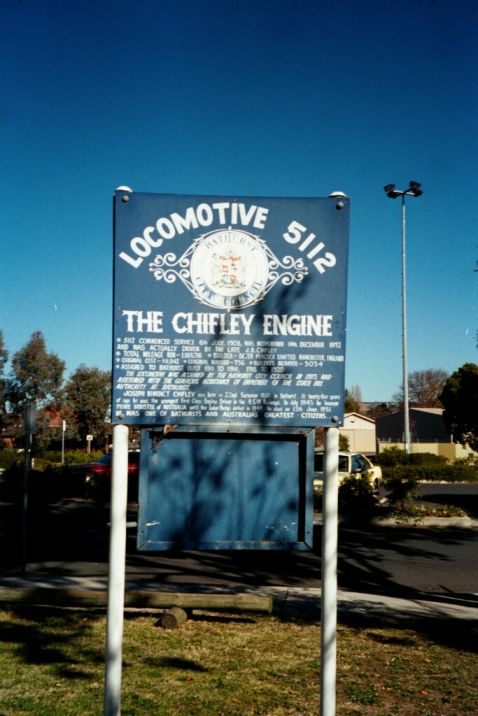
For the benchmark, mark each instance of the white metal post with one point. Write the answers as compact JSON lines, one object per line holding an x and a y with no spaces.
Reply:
{"x":406,"y":423}
{"x":328,"y":670}
{"x":63,"y":429}
{"x":392,"y":192}
{"x":117,"y":568}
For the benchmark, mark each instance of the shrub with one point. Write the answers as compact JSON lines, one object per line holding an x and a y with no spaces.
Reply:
{"x":469,"y":460}
{"x":50,"y":457}
{"x":391,"y":456}
{"x":43,"y":485}
{"x":397,"y":464}
{"x":72,"y":457}
{"x":356,"y":497}
{"x":77,"y":457}
{"x":11,"y":484}
{"x":449,"y":473}
{"x":425,"y":458}
{"x":401,"y":490}
{"x":399,"y":472}
{"x":401,"y":494}
{"x":395,"y":456}
{"x":431,"y":473}
{"x":8,"y":457}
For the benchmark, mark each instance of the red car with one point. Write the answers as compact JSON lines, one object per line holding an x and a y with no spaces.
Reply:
{"x":97,"y":475}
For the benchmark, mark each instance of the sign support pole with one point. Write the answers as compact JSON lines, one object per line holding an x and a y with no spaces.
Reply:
{"x":63,"y":430}
{"x":117,"y":568}
{"x":29,"y":422}
{"x":26,"y":472}
{"x":328,"y":672}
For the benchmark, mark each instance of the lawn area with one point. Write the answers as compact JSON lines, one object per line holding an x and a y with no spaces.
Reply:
{"x":52,"y":664}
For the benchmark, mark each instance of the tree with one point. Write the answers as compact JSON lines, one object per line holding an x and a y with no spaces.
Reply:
{"x":424,"y":388}
{"x":35,"y":376}
{"x":88,"y":396}
{"x":353,"y":399}
{"x":3,"y":386}
{"x":355,"y":393}
{"x":320,"y":440}
{"x":460,"y":398}
{"x":378,"y":410}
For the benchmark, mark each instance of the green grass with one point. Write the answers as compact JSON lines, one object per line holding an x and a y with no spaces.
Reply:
{"x":52,"y":664}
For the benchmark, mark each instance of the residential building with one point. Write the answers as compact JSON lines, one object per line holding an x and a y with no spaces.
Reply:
{"x":428,"y":433}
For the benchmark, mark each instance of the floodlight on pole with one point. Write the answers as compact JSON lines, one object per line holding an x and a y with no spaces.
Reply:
{"x":415,"y":190}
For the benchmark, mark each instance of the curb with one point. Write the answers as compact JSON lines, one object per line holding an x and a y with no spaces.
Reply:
{"x":283,"y":602}
{"x":441,"y":522}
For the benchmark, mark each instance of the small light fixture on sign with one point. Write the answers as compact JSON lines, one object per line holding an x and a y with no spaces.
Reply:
{"x":340,"y":196}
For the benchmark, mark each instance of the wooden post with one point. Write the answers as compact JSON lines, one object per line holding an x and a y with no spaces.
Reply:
{"x":173,"y":618}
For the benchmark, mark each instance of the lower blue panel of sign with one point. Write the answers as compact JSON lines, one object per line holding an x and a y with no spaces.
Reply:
{"x":214,"y":491}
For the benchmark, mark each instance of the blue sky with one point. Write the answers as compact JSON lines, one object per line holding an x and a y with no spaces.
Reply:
{"x":243,"y":97}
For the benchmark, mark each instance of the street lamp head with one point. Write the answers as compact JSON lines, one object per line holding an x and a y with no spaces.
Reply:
{"x":391,"y":191}
{"x":415,"y":189}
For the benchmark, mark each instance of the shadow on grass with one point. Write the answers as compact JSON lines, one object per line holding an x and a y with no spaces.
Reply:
{"x":64,"y":639}
{"x":50,"y":636}
{"x":168,"y":662}
{"x":71,"y":530}
{"x":220,"y":618}
{"x":454,"y":634}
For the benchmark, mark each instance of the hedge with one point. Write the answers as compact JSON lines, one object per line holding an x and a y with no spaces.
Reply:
{"x":432,"y":473}
{"x":8,"y":457}
{"x":395,"y":456}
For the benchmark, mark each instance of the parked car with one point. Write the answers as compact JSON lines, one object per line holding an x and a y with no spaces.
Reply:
{"x":351,"y":464}
{"x":96,"y":475}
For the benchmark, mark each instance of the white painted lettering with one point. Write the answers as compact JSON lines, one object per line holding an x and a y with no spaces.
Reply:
{"x":137,"y":321}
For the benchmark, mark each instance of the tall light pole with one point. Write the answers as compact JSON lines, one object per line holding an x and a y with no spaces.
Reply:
{"x":392,"y":192}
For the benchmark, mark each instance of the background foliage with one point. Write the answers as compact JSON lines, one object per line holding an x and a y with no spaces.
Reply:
{"x":81,"y":404}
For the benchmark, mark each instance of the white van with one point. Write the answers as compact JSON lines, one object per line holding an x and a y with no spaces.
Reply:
{"x":351,"y":464}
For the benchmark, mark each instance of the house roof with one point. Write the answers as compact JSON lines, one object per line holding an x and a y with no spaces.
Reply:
{"x":433,"y":411}
{"x":426,"y":425}
{"x":359,"y":415}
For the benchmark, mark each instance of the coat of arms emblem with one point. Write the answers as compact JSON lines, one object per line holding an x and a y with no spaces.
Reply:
{"x":228,"y":268}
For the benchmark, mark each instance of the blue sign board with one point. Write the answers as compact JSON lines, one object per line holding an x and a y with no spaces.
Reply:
{"x":202,"y":490}
{"x":229,"y":310}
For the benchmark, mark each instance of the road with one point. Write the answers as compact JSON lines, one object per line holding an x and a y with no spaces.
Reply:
{"x":464,"y":495}
{"x":405,"y":560}
{"x":71,"y":537}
